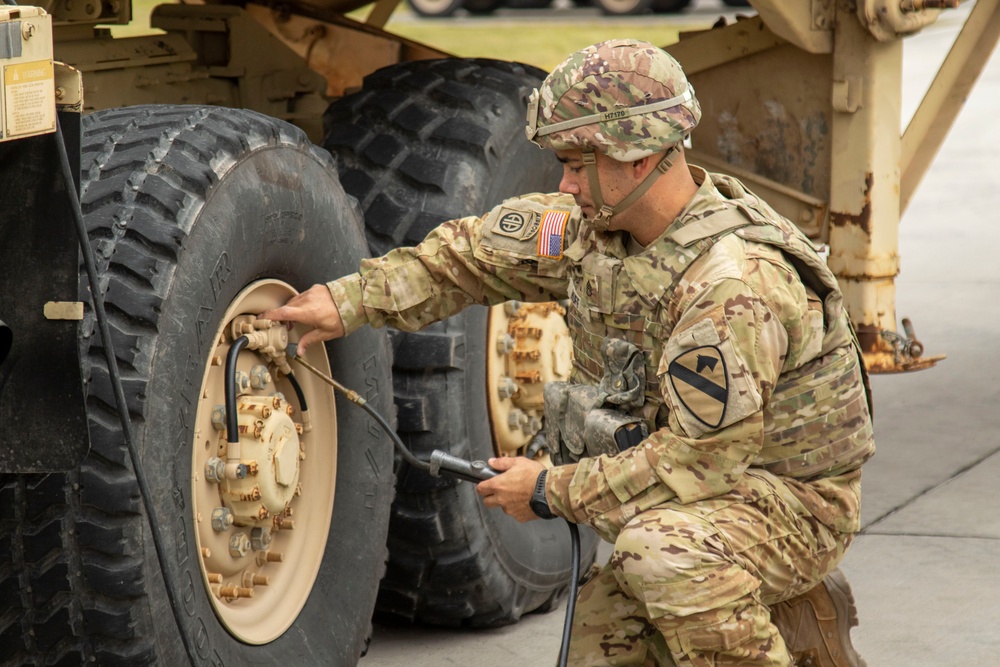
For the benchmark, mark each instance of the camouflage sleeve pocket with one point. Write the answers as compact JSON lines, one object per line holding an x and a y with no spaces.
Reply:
{"x":705,"y":380}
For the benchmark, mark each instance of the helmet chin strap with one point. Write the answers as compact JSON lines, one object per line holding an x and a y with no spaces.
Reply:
{"x":602,"y":220}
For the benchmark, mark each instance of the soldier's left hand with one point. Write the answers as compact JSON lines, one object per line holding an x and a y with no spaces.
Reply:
{"x":512,"y":490}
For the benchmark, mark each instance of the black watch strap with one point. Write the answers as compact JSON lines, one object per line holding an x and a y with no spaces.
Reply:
{"x":539,"y":505}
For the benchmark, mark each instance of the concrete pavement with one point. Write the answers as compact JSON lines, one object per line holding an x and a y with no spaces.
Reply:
{"x":926,"y":567}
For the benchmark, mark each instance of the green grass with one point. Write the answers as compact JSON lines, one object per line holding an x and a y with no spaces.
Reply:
{"x":543,"y":44}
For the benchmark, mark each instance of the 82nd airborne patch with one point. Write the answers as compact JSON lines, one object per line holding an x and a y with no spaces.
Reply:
{"x":702,"y":384}
{"x":520,"y":225}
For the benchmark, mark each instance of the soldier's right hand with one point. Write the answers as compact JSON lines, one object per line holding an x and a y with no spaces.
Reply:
{"x":314,"y":308}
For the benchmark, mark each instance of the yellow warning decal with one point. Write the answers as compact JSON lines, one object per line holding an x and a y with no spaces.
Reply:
{"x":29,"y":98}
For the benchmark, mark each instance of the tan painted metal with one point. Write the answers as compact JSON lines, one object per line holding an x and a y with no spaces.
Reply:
{"x":944,"y":99}
{"x":63,"y":310}
{"x":864,"y":166}
{"x":27,"y":78}
{"x":527,"y":345}
{"x":803,"y":104}
{"x":258,"y":562}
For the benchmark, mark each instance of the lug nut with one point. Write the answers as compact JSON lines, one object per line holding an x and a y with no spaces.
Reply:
{"x":215,"y":469}
{"x":511,"y":308}
{"x":242,"y":382}
{"x":259,"y":377}
{"x":505,"y":343}
{"x":506,"y":387}
{"x":239,"y":545}
{"x":222,"y":519}
{"x":517,"y":419}
{"x":219,"y":417}
{"x":260,"y":539}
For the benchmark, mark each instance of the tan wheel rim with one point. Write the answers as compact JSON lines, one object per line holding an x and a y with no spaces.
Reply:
{"x":262,"y":538}
{"x":528,"y":344}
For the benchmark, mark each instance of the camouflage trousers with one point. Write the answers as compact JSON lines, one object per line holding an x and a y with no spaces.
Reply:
{"x":688,"y":585}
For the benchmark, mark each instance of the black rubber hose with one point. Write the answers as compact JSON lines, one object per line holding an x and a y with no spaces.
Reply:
{"x":159,"y":540}
{"x":298,"y":393}
{"x":232,"y":423}
{"x":574,"y":588}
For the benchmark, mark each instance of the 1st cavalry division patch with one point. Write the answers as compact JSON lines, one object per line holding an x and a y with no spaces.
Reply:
{"x":702,"y":384}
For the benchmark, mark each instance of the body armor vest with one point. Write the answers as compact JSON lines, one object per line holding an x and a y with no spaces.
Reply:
{"x":817,"y":421}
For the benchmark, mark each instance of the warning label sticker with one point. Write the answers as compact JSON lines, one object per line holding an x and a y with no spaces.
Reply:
{"x":29,"y":95}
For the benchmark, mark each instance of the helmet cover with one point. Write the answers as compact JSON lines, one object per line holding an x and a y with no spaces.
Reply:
{"x":596,"y":100}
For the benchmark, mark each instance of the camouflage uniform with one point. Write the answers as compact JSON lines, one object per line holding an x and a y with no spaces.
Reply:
{"x":747,"y":491}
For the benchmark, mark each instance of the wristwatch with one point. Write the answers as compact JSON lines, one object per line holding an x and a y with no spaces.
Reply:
{"x":539,"y":505}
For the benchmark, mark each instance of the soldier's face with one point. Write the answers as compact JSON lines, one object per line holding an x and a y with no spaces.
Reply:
{"x":616,"y":180}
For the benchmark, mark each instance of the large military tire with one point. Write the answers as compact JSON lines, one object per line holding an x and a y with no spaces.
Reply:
{"x":188,"y":208}
{"x":422,"y":143}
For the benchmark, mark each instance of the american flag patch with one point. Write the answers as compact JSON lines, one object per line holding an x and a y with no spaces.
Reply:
{"x":550,"y":236}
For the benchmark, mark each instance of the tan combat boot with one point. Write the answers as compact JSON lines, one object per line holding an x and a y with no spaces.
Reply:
{"x":816,"y":625}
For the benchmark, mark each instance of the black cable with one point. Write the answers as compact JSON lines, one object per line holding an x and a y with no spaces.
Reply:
{"x":159,"y":541}
{"x":232,"y":423}
{"x":298,"y":392}
{"x":574,"y":588}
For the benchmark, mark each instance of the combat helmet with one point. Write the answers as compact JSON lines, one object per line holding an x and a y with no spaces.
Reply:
{"x":624,"y":98}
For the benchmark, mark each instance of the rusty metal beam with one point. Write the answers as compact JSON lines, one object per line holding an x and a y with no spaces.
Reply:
{"x":946,"y":95}
{"x":864,"y":195}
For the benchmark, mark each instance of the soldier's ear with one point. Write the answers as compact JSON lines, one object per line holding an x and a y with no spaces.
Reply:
{"x":642,"y":166}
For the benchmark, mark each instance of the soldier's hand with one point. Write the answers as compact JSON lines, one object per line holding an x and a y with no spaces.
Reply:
{"x":511,"y":491}
{"x":314,"y":308}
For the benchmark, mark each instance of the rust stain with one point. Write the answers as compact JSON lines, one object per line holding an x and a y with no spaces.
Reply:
{"x":863,"y":219}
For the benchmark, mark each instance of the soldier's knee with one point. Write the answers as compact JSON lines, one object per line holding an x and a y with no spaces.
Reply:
{"x":663,"y":547}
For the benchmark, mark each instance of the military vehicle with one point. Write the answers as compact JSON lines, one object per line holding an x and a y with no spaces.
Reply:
{"x":279,"y":525}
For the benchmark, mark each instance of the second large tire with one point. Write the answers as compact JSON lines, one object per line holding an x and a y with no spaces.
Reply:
{"x":422,"y":143}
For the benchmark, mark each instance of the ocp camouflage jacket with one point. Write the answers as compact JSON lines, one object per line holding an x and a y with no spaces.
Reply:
{"x":751,"y":362}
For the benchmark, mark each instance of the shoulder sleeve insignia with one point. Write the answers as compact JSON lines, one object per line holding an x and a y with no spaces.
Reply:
{"x":700,"y":379}
{"x":551,"y":236}
{"x":516,"y":224}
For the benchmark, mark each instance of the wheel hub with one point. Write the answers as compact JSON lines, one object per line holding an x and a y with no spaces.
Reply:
{"x":262,"y":506}
{"x":528,"y":345}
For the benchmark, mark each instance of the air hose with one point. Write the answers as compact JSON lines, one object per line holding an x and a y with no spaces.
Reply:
{"x":472,"y":471}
